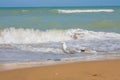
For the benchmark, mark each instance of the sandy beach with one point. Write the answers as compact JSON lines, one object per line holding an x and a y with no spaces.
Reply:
{"x":92,"y":70}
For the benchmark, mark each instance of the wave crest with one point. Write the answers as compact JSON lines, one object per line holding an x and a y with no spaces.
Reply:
{"x":23,"y":36}
{"x":85,"y":11}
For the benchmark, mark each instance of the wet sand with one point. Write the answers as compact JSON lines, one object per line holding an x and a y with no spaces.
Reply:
{"x":92,"y":70}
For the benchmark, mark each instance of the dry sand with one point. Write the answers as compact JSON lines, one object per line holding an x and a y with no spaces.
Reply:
{"x":95,"y":70}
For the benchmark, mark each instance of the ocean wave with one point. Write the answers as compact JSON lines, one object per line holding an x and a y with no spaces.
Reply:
{"x":84,"y":11}
{"x":22,"y":36}
{"x":25,"y":36}
{"x":51,"y":41}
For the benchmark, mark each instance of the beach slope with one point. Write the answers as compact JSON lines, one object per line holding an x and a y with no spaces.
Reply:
{"x":95,"y":70}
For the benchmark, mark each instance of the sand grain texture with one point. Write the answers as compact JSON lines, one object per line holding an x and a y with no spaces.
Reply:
{"x":98,"y":70}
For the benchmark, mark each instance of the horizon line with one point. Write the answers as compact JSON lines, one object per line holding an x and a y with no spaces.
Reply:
{"x":54,"y":6}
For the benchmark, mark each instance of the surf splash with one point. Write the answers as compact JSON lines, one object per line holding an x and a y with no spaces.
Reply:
{"x":85,"y":11}
{"x":29,"y":36}
{"x":22,"y":36}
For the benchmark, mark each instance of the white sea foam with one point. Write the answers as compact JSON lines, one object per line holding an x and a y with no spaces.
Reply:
{"x":84,"y":11}
{"x":88,"y":35}
{"x":23,"y":36}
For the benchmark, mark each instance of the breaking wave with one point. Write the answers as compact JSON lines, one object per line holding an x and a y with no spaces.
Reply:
{"x":24,"y":36}
{"x":84,"y":11}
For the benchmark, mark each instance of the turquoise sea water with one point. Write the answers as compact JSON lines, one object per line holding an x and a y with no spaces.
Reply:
{"x":37,"y":34}
{"x":51,"y":18}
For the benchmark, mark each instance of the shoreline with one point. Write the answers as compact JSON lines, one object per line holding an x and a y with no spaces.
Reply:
{"x":89,"y":70}
{"x":18,"y":65}
{"x":21,"y":65}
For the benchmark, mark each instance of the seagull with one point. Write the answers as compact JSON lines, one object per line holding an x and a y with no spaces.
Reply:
{"x":76,"y":34}
{"x":71,"y":50}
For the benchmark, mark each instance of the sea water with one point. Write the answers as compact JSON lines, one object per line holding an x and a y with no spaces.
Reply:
{"x":36,"y":34}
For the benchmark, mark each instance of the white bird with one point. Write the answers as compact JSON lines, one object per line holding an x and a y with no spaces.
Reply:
{"x":70,"y":50}
{"x":73,"y":50}
{"x":76,"y":34}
